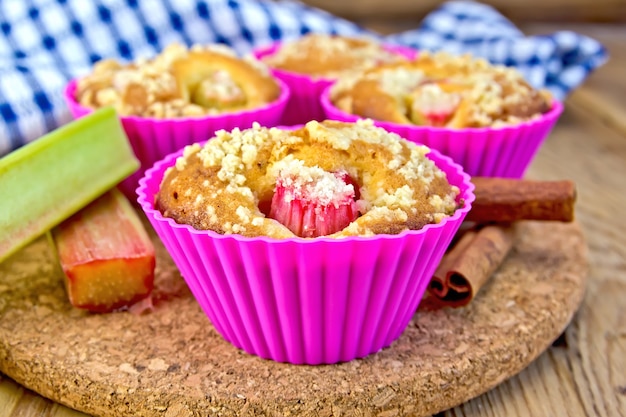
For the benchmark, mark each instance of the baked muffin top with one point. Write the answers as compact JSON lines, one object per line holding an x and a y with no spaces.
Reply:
{"x":441,"y":90}
{"x":228,"y":184}
{"x":179,"y":82}
{"x":329,"y":56}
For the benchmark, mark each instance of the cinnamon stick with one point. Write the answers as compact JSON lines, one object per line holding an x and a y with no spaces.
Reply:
{"x":468,"y":265}
{"x":509,"y":200}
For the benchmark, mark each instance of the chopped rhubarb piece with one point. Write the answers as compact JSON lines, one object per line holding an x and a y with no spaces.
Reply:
{"x":312,"y":202}
{"x":346,"y":178}
{"x":434,"y":104}
{"x":106,"y":255}
{"x":438,"y":119}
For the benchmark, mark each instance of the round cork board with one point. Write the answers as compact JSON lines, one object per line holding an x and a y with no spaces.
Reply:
{"x":171,"y":362}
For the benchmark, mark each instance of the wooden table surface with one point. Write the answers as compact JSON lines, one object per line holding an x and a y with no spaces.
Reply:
{"x":584,"y":373}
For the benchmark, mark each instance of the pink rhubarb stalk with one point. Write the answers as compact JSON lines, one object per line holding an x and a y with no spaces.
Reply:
{"x":106,"y":255}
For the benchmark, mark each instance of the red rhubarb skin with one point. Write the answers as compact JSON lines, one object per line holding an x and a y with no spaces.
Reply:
{"x":106,"y":255}
{"x":309,"y":218}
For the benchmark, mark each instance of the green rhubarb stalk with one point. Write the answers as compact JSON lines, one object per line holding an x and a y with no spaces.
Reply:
{"x":106,"y":255}
{"x":46,"y":181}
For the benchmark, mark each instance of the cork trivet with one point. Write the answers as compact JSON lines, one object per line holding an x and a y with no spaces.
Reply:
{"x":171,"y":362}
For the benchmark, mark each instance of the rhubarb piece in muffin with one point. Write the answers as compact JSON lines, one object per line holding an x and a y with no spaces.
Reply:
{"x":312,"y":202}
{"x":324,"y":179}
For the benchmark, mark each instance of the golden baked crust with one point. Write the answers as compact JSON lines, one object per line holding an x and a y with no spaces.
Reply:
{"x":227,"y":185}
{"x":329,"y":56}
{"x":202,"y":80}
{"x":441,"y":90}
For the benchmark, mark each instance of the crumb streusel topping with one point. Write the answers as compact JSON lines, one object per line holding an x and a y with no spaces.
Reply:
{"x":179,"y":82}
{"x":227,"y":184}
{"x":441,"y":90}
{"x":329,"y":56}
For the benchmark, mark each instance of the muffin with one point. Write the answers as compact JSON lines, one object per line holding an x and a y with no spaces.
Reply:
{"x":312,"y":62}
{"x":236,"y":213}
{"x":181,"y":96}
{"x":486,"y":117}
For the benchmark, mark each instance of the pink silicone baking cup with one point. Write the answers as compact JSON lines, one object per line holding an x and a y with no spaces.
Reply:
{"x":304,"y":103}
{"x":505,"y":151}
{"x":152,"y":138}
{"x":307,"y":301}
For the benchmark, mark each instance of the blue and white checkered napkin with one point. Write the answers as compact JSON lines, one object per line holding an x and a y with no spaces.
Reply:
{"x":45,"y":43}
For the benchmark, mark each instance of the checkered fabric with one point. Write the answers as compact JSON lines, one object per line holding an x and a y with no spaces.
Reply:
{"x":45,"y":43}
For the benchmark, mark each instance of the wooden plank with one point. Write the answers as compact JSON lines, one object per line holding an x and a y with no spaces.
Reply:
{"x":516,"y":10}
{"x":607,"y":110}
{"x":16,"y":401}
{"x":10,"y":394}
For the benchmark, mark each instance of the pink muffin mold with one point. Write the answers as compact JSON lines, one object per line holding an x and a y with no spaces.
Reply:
{"x":304,"y":103}
{"x":154,"y":138}
{"x":504,"y":151}
{"x":307,"y":301}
